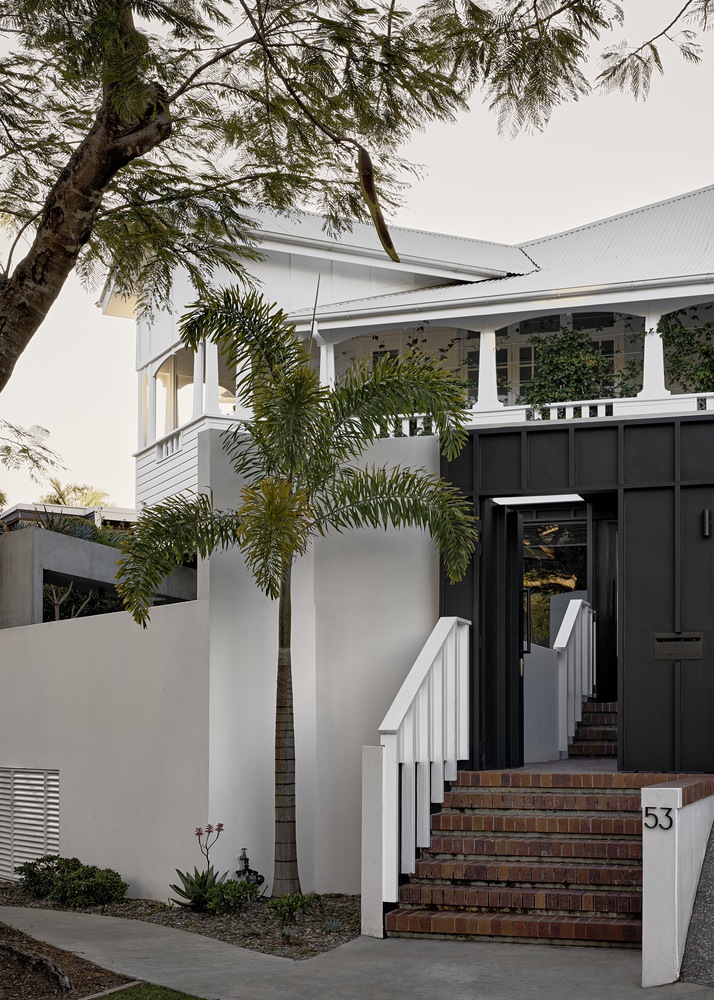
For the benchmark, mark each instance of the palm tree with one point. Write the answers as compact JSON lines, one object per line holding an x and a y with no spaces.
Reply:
{"x":296,"y":460}
{"x":73,"y":494}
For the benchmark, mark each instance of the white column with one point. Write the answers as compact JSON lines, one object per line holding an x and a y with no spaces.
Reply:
{"x":242,"y":412}
{"x":327,"y":364}
{"x":487,"y":383}
{"x":211,"y":407}
{"x":151,"y":421}
{"x":653,"y":384}
{"x":143,"y":422}
{"x":327,"y":357}
{"x":198,"y":381}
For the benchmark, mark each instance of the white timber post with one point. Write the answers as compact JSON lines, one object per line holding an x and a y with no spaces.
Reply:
{"x":151,"y":406}
{"x":198,"y":380}
{"x":327,"y":358}
{"x":653,"y":378}
{"x":212,"y":408}
{"x":487,"y":380}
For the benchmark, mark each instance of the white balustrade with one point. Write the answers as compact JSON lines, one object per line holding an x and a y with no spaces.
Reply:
{"x":168,"y":446}
{"x":423,"y":735}
{"x":575,"y":647}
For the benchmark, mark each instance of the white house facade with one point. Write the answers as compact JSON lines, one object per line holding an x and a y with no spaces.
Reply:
{"x":153,"y":733}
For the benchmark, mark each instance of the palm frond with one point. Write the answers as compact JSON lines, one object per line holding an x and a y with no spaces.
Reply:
{"x":405,"y":385}
{"x":378,"y":497}
{"x":274,"y":529}
{"x":253,"y":335}
{"x":164,"y":536}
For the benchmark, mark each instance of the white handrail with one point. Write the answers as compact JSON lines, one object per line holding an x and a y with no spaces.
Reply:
{"x":575,"y":646}
{"x":426,"y":732}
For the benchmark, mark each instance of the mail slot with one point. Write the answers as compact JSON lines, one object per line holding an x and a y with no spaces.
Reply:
{"x":678,"y":645}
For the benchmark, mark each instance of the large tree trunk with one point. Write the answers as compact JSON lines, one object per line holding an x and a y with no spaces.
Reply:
{"x":68,"y":218}
{"x":285,"y":874}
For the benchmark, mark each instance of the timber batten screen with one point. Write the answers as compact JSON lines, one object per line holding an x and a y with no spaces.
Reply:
{"x":29,"y":816}
{"x":658,"y":475}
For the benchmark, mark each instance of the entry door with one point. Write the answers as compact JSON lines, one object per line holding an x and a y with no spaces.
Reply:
{"x":500,"y":653}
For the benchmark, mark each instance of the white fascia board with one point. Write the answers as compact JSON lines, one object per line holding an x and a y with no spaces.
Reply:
{"x":426,"y":267}
{"x":503,"y":309}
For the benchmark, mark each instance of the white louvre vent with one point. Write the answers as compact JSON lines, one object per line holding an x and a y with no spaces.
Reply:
{"x":29,"y":817}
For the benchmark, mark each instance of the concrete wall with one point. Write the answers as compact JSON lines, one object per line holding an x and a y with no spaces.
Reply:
{"x":364,"y":603}
{"x":122,"y":713}
{"x":26,"y":553}
{"x":540,"y":705}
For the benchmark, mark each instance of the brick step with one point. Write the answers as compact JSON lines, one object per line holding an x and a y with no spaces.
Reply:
{"x":520,"y":778}
{"x":553,"y":927}
{"x":600,"y":706}
{"x":530,"y":846}
{"x":536,"y":822}
{"x":606,"y":902}
{"x":540,"y":872}
{"x":560,"y":799}
{"x":592,"y":749}
{"x":598,"y":718}
{"x":599,"y":733}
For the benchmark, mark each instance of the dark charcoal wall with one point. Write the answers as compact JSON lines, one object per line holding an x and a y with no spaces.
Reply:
{"x":662,"y":472}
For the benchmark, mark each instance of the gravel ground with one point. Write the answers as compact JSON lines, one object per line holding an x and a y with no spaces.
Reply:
{"x":332,"y":920}
{"x":19,"y":980}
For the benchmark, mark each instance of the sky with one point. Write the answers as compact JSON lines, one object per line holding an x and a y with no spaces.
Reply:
{"x":599,"y":157}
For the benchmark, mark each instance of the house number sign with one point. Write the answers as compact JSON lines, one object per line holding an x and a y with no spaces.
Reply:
{"x":658,"y":817}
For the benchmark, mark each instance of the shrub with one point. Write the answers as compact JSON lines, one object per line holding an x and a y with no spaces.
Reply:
{"x":70,"y":883}
{"x":287,"y":907}
{"x":88,"y":886}
{"x":39,"y":876}
{"x":231,"y":896}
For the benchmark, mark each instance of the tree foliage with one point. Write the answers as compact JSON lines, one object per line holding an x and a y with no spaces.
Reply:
{"x":299,"y":478}
{"x":689,"y":350}
{"x":568,"y":365}
{"x":74,"y":494}
{"x":26,"y":447}
{"x":136,"y":134}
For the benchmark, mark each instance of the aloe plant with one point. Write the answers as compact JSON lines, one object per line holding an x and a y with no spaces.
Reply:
{"x":194,"y":888}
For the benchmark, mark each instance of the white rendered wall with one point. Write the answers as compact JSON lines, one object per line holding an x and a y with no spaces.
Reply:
{"x":540,"y":705}
{"x":363,"y":604}
{"x":122,"y":713}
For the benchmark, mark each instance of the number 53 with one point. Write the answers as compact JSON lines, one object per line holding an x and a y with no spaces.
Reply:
{"x":652,"y":820}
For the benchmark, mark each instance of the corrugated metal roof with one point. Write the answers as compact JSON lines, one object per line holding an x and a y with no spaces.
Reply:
{"x":672,"y":239}
{"x":456,"y":253}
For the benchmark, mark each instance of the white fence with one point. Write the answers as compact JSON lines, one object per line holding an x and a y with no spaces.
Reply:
{"x":423,"y":736}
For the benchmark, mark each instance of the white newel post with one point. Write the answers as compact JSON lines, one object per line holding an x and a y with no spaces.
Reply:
{"x":487,"y":380}
{"x":653,"y":376}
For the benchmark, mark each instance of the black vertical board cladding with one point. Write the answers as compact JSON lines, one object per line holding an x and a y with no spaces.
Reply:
{"x":548,"y":461}
{"x":460,"y":600}
{"x":596,"y":464}
{"x":498,"y":464}
{"x":663,"y":471}
{"x":649,"y":453}
{"x":647,"y":607}
{"x":695,"y":678}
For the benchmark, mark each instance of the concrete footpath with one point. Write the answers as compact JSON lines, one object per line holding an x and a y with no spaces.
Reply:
{"x":365,"y":969}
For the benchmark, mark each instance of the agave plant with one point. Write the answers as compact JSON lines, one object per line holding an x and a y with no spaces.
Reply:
{"x":195,"y":888}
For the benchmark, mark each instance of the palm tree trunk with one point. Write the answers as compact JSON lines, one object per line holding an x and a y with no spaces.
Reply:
{"x":285,"y":875}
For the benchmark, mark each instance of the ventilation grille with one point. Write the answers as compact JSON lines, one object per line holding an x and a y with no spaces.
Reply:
{"x":29,"y":817}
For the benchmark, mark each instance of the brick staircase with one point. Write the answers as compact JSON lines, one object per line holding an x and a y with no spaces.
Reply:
{"x":527,"y":855}
{"x":596,"y":733}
